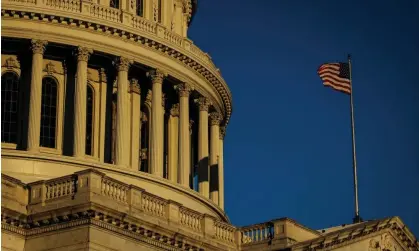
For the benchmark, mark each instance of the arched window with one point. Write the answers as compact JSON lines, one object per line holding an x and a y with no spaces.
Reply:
{"x":114,"y":4}
{"x":9,"y":107}
{"x":48,"y":112}
{"x":89,"y":120}
{"x":140,"y":7}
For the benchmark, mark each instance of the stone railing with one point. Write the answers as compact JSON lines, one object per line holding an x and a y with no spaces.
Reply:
{"x":256,"y":233}
{"x":190,"y":219}
{"x":91,"y":186}
{"x":114,"y":189}
{"x":153,"y":205}
{"x":61,"y":187}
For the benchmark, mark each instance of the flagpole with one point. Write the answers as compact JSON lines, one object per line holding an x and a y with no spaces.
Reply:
{"x":357,"y":218}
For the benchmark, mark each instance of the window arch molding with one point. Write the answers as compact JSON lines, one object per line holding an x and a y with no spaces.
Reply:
{"x":10,"y":99}
{"x":55,"y":71}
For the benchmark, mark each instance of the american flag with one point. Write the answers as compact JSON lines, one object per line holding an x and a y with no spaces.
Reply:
{"x":336,"y":75}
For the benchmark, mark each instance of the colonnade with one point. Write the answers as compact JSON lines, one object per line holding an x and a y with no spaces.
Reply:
{"x":129,"y":123}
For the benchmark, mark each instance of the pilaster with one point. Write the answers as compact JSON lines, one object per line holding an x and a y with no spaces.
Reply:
{"x":184,"y":91}
{"x":157,"y":125}
{"x":80,"y":92}
{"x":203,"y":162}
{"x":135,"y":93}
{"x":122,"y":153}
{"x":38,"y":48}
{"x":173,"y":136}
{"x":221,"y":166}
{"x":214,"y":146}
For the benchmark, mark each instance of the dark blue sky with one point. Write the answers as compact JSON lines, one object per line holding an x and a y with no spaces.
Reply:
{"x":288,"y":145}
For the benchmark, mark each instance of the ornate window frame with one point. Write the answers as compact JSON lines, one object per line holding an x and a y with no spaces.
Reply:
{"x":10,"y":63}
{"x":55,"y":70}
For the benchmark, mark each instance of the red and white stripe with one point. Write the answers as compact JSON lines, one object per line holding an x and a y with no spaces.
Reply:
{"x":329,"y":73}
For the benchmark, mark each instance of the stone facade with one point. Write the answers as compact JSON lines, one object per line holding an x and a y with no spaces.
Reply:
{"x":113,"y":125}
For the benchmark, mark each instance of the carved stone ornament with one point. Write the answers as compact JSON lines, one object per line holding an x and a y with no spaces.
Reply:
{"x":156,"y":76}
{"x":38,"y":46}
{"x":83,"y":53}
{"x":215,"y":118}
{"x":184,"y":89}
{"x":135,"y":86}
{"x":163,"y":99}
{"x":149,"y":97}
{"x":174,"y":111}
{"x":102,"y":75}
{"x":222,"y":132}
{"x":89,"y":75}
{"x":203,"y":103}
{"x":374,"y":245}
{"x":143,"y":117}
{"x":50,"y":68}
{"x":143,"y":153}
{"x":190,"y":125}
{"x":12,"y":63}
{"x":123,"y":64}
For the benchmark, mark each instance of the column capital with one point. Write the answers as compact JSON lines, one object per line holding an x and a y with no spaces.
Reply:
{"x":216,"y":118}
{"x":83,"y":53}
{"x":184,"y":89}
{"x":135,"y":86}
{"x":174,"y":111}
{"x":203,"y":103}
{"x":222,"y":132}
{"x":123,"y":63}
{"x":156,"y":76}
{"x":38,"y":46}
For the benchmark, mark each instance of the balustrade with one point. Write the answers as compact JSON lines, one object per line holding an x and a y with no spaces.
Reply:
{"x":255,"y":233}
{"x":153,"y":205}
{"x":190,"y":219}
{"x":61,"y":187}
{"x":114,"y":190}
{"x":224,"y":232}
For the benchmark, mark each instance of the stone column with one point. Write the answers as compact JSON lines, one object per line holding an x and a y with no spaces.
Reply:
{"x":173,"y":136}
{"x":184,"y":138}
{"x":122,"y":145}
{"x":38,"y":49}
{"x":79,"y":145}
{"x":103,"y":94}
{"x":214,"y":168}
{"x":203,"y":170}
{"x":157,"y":125}
{"x":221,"y":166}
{"x":135,"y":123}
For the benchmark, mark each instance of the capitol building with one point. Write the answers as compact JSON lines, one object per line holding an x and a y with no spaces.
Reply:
{"x":112,"y":135}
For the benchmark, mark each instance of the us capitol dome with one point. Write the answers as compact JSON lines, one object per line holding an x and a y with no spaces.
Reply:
{"x":112,"y":130}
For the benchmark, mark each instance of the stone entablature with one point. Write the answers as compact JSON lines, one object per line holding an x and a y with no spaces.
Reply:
{"x":128,"y":27}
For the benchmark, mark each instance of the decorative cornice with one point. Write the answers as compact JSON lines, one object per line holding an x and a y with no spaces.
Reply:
{"x":215,"y":118}
{"x":174,"y":111}
{"x":83,"y":53}
{"x":38,"y":46}
{"x":183,"y":89}
{"x":98,"y":218}
{"x":203,"y":103}
{"x":11,"y":63}
{"x":135,"y":86}
{"x":157,"y":76}
{"x":123,"y":64}
{"x":171,"y":51}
